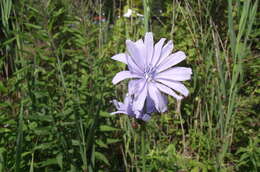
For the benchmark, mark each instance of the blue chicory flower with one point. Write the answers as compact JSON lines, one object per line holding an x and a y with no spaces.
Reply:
{"x":150,"y":66}
{"x":127,"y":108}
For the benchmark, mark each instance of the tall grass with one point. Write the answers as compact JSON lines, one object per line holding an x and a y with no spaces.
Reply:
{"x":55,"y":87}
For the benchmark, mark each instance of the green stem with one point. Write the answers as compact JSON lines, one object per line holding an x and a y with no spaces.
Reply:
{"x":146,"y":15}
{"x":19,"y":140}
{"x":143,"y":148}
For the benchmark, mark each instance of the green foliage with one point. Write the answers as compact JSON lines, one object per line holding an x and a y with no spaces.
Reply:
{"x":55,"y":87}
{"x":249,"y":155}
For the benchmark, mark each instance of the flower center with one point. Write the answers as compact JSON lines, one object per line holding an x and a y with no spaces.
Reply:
{"x":148,"y":77}
{"x":149,"y":73}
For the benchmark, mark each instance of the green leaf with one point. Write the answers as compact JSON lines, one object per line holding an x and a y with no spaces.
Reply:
{"x":32,"y":26}
{"x":196,"y":169}
{"x":105,"y":114}
{"x":59,"y":158}
{"x":31,"y":163}
{"x":3,"y":89}
{"x":101,"y":144}
{"x":44,"y":146}
{"x":101,"y":157}
{"x":110,"y":140}
{"x":4,"y":130}
{"x":42,"y":131}
{"x":107,"y":128}
{"x":2,"y":150}
{"x":52,"y":161}
{"x":9,"y":41}
{"x":75,"y":142}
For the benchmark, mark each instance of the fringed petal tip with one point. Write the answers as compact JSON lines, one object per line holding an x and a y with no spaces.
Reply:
{"x":148,"y":34}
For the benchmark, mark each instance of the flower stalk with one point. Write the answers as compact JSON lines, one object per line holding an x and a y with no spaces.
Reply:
{"x":146,"y":15}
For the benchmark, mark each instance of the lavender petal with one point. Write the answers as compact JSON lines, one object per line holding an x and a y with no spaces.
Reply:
{"x":166,"y":51}
{"x":120,"y":57}
{"x":148,"y":42}
{"x":157,"y":97}
{"x":123,"y":75}
{"x":167,"y":90}
{"x":157,"y":51}
{"x":134,"y":53}
{"x":175,"y":86}
{"x":139,"y":100}
{"x":171,"y":60}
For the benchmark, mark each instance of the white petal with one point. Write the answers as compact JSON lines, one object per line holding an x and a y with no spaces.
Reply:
{"x":123,"y":75}
{"x":157,"y":97}
{"x":176,"y":86}
{"x":167,"y":90}
{"x":120,"y":57}
{"x":148,"y":42}
{"x":157,"y":52}
{"x":171,"y":60}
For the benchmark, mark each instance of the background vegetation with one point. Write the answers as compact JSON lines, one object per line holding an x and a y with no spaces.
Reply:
{"x":55,"y":87}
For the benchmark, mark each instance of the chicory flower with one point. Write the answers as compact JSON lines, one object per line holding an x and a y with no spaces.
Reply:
{"x":126,"y":107}
{"x":151,"y":67}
